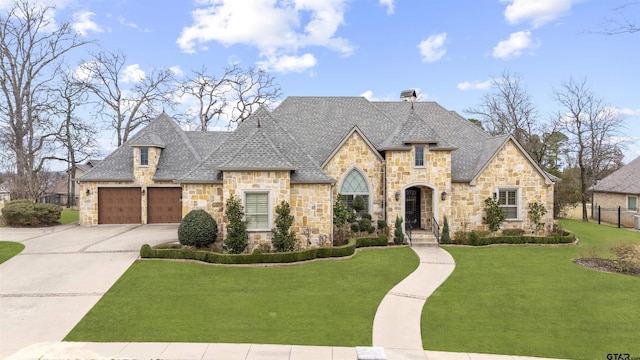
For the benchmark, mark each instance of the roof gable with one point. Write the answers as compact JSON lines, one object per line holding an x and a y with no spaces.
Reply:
{"x":355,"y":130}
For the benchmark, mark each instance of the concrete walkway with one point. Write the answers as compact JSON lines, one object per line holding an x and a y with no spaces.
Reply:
{"x":63,"y":272}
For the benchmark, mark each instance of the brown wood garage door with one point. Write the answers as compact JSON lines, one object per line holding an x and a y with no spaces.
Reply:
{"x":164,"y":205}
{"x":119,"y":206}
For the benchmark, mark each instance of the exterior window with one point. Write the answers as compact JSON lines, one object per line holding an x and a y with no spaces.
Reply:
{"x":256,"y":210}
{"x":355,"y":184}
{"x":144,"y":156}
{"x":419,"y":156}
{"x":508,"y":201}
{"x":632,"y":203}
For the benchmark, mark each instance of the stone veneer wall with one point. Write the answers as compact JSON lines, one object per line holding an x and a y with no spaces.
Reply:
{"x":609,"y":203}
{"x":207,"y":197}
{"x":509,"y":169}
{"x":356,"y":153}
{"x":143,"y":176}
{"x":311,"y":204}
{"x":276,"y":182}
{"x":401,"y":174}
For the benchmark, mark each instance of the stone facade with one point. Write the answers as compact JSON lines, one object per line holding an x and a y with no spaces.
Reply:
{"x":509,"y":169}
{"x":356,"y":153}
{"x":609,"y":203}
{"x":312,"y":204}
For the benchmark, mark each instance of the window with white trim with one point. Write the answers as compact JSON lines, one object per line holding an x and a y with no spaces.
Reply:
{"x":508,"y":201}
{"x":419,"y":156}
{"x":355,"y":184}
{"x":144,"y":156}
{"x":256,"y":210}
{"x":632,"y":203}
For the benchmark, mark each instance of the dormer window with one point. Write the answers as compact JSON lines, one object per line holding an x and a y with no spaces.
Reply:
{"x":144,"y":156}
{"x":419,"y":156}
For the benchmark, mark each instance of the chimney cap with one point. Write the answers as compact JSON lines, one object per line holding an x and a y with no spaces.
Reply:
{"x":408,"y":95}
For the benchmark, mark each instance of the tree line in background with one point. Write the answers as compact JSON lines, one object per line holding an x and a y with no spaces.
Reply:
{"x":44,"y":103}
{"x":41,"y":99}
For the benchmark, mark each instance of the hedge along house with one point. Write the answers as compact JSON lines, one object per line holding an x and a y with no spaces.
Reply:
{"x":415,"y":160}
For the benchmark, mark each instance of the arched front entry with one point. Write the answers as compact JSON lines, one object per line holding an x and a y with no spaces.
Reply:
{"x":419,"y":205}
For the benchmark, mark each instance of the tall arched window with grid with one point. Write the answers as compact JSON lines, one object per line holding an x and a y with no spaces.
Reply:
{"x":355,"y":184}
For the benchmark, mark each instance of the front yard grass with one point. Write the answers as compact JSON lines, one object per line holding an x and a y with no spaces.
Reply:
{"x":318,"y":303}
{"x":69,"y":216}
{"x":533,"y":301}
{"x":9,"y":249}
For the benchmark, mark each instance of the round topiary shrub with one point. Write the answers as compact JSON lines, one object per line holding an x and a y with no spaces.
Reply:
{"x":198,"y":229}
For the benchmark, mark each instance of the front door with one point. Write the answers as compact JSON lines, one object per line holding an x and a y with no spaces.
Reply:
{"x":412,"y":208}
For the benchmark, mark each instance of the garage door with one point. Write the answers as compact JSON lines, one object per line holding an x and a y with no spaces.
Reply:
{"x":119,"y":206}
{"x":164,"y":205}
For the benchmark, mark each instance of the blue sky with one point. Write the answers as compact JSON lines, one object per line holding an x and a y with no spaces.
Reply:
{"x":448,"y":50}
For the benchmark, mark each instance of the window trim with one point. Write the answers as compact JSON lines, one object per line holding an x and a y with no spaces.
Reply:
{"x":518,"y":205}
{"x":629,"y":197}
{"x":269,"y":208}
{"x":369,"y":208}
{"x":146,"y":150}
{"x":415,"y":156}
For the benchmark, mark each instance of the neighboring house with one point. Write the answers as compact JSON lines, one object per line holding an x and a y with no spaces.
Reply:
{"x":621,"y":190}
{"x":80,"y":170}
{"x":56,"y":193}
{"x":411,"y":159}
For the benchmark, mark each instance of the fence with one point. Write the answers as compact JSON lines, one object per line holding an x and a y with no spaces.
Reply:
{"x":623,"y":217}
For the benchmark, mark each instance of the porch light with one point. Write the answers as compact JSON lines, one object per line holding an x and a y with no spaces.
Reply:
{"x":143,"y":192}
{"x":443,"y":196}
{"x":88,"y":192}
{"x":397,"y":195}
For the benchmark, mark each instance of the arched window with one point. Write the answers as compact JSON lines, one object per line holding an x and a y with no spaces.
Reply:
{"x":355,"y":184}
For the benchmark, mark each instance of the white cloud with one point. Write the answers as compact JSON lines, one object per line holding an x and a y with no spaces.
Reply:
{"x":513,"y":46}
{"x":280,"y":28}
{"x":289,"y":63}
{"x":389,"y":5}
{"x":176,"y":70}
{"x":83,"y":24}
{"x":132,"y":73}
{"x":538,"y":12}
{"x":475,"y":85}
{"x":432,"y":48}
{"x":628,"y":112}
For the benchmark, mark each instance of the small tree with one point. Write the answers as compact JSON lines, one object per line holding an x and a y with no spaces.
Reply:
{"x":536,"y":212}
{"x":398,"y":234}
{"x":494,"y":216}
{"x":197,"y":229}
{"x":283,"y":239}
{"x":237,"y":235}
{"x":358,"y":205}
{"x":446,"y":237}
{"x":341,"y":217}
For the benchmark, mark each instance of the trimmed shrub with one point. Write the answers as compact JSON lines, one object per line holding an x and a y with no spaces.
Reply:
{"x":237,"y":235}
{"x":198,"y":229}
{"x":364,"y":224}
{"x":283,"y":238}
{"x":398,"y":235}
{"x":494,"y":216}
{"x":446,"y":237}
{"x":27,"y":213}
{"x":461,"y":237}
{"x":627,"y":258}
{"x":513,"y":232}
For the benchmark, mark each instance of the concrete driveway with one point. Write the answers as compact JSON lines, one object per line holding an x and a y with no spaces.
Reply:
{"x":61,"y":274}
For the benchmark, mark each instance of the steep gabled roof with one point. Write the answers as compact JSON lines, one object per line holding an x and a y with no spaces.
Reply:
{"x":625,"y":180}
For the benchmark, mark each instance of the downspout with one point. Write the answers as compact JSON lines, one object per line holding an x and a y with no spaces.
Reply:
{"x":384,"y":190}
{"x":331,"y":213}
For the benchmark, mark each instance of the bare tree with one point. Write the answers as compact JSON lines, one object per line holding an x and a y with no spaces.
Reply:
{"x":251,"y":88}
{"x":125,"y":108}
{"x":509,"y":109}
{"x":31,"y":49}
{"x":76,"y":136}
{"x":210,"y":92}
{"x":593,"y":129}
{"x":622,"y":24}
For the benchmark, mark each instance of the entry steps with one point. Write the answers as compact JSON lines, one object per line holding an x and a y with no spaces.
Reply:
{"x":420,"y":237}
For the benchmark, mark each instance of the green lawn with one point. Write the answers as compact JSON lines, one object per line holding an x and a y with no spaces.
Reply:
{"x":532,"y":300}
{"x":9,"y":249}
{"x":318,"y":303}
{"x":69,"y":216}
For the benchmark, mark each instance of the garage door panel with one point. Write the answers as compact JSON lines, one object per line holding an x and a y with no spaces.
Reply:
{"x":119,"y":206}
{"x":164,"y":205}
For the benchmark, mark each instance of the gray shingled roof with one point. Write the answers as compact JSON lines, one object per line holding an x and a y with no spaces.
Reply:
{"x":625,"y":180}
{"x":299,"y":135}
